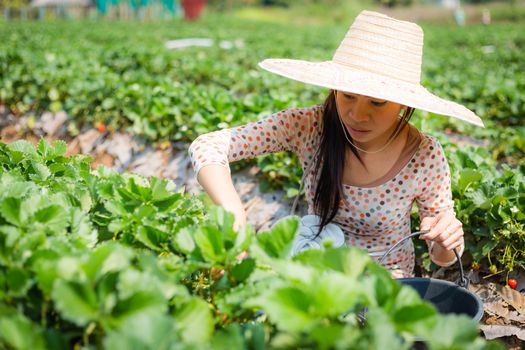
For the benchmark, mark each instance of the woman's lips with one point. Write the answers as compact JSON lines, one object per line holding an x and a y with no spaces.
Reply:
{"x":358,"y":132}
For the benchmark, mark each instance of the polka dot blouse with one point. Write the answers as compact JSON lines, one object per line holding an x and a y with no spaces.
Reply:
{"x":373,"y":218}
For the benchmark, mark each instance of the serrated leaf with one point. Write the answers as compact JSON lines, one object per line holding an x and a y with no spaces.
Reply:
{"x":57,"y":168}
{"x":76,"y":302}
{"x":277,"y":242}
{"x":488,"y":247}
{"x":168,"y":204}
{"x":351,"y":261}
{"x":43,"y":147}
{"x":46,"y":274}
{"x":480,"y":199}
{"x":12,"y":234}
{"x":118,"y":225}
{"x":42,"y":173}
{"x":415,"y":317}
{"x":23,"y":146}
{"x":18,"y":281}
{"x":467,"y":177}
{"x":288,"y":308}
{"x":86,"y":202}
{"x":11,"y":211}
{"x":210,"y":243}
{"x":183,"y":241}
{"x":82,"y":227}
{"x":54,"y":217}
{"x":328,"y":335}
{"x":17,"y":189}
{"x":222,"y":218}
{"x":141,"y":192}
{"x":335,"y":294}
{"x":107,"y":257}
{"x":145,"y":330}
{"x":161,"y":189}
{"x":151,"y":237}
{"x":137,"y":303}
{"x":382,"y":334}
{"x":194,"y":322}
{"x":18,"y":332}
{"x":116,"y":208}
{"x":228,"y":338}
{"x":244,"y":238}
{"x":450,"y":331}
{"x":59,"y":148}
{"x":242,"y":270}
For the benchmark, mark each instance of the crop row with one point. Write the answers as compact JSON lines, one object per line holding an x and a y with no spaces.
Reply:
{"x":126,"y":79}
{"x":108,"y":73}
{"x":103,"y":260}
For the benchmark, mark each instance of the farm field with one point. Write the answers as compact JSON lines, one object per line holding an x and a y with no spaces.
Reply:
{"x":90,"y":253}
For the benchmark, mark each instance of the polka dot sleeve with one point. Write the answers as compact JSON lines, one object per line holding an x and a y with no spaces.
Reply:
{"x":435,"y":195}
{"x":287,"y":130}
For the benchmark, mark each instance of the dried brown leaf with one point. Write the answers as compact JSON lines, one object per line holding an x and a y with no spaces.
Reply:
{"x":499,"y":331}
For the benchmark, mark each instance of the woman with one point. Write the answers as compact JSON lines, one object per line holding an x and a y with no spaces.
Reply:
{"x":364,"y":164}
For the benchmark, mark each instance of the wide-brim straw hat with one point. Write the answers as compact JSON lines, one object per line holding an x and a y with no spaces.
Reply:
{"x":379,"y":57}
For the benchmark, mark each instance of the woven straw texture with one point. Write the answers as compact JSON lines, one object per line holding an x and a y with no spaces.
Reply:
{"x":379,"y":57}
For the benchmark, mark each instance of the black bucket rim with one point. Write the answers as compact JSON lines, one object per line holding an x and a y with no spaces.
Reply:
{"x":480,"y":312}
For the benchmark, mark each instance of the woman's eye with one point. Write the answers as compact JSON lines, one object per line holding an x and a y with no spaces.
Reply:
{"x":375,"y":103}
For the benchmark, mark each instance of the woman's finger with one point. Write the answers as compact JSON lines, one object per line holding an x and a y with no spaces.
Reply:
{"x":427,"y":224}
{"x":452,"y":240}
{"x":456,"y":233}
{"x":455,"y":244}
{"x":441,"y":221}
{"x":444,"y":226}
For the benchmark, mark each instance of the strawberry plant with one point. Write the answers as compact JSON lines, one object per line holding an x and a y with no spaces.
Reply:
{"x":491,"y":205}
{"x":102,"y":260}
{"x":110,"y":78}
{"x":88,"y":257}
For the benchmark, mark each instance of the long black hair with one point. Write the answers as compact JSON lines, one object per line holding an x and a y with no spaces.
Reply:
{"x":330,"y":160}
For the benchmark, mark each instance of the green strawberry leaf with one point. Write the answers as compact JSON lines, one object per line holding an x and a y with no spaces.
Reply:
{"x":194,"y":322}
{"x":75,"y":302}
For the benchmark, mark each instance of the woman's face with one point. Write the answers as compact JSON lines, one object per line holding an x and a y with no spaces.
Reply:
{"x":367,"y":119}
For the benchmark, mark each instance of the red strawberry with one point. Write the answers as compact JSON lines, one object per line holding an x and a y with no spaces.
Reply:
{"x":512,"y":283}
{"x":101,"y":127}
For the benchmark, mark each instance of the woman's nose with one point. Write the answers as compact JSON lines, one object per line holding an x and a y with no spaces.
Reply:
{"x":359,"y":112}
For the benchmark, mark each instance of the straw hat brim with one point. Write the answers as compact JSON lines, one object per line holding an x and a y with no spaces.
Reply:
{"x":335,"y":76}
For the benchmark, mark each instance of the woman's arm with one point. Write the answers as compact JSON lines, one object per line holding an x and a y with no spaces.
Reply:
{"x":436,"y":207}
{"x":217,"y":182}
{"x":211,"y":153}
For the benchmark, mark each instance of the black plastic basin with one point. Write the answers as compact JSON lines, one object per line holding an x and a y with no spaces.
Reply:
{"x":447,"y":297}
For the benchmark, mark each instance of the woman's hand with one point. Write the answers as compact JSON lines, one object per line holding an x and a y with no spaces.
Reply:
{"x":396,"y":274}
{"x":240,"y":218}
{"x":445,"y":230}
